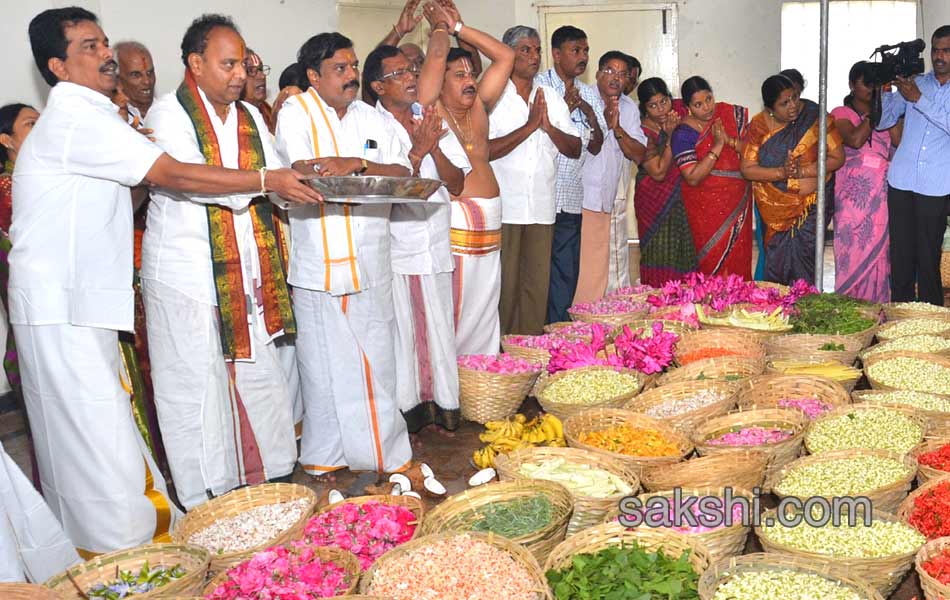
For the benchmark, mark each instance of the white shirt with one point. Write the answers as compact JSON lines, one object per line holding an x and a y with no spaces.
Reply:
{"x":419,"y":233}
{"x":626,"y":170}
{"x":370,"y":223}
{"x":527,"y":174}
{"x":176,"y":249}
{"x":72,"y":213}
{"x":601,"y":172}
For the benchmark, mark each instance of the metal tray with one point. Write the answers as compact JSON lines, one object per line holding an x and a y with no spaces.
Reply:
{"x":374,"y":189}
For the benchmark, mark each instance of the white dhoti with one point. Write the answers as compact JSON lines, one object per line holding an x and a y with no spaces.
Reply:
{"x":217,"y":436}
{"x":476,"y":281}
{"x":33,"y":545}
{"x":426,"y":370}
{"x":97,"y":474}
{"x":287,"y":351}
{"x":618,"y":274}
{"x":346,"y":358}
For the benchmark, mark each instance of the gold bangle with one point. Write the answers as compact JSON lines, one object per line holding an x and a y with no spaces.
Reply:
{"x":440,"y":27}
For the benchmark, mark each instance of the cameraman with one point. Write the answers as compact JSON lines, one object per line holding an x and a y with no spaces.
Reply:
{"x":919,"y":176}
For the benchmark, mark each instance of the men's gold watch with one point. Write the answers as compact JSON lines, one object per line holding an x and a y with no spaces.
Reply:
{"x":363,"y":166}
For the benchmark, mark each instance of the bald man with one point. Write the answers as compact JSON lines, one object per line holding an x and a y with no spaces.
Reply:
{"x":136,"y":76}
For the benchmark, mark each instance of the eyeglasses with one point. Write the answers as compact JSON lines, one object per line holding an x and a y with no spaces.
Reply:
{"x":399,"y":73}
{"x":610,"y":73}
{"x":252,"y":71}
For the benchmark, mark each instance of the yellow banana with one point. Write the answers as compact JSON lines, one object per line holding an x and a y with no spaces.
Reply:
{"x":520,"y":418}
{"x":555,"y":424}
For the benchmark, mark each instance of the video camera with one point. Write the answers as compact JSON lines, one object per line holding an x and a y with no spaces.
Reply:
{"x":905,"y":62}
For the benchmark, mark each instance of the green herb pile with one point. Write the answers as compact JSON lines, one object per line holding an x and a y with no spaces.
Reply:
{"x":831,"y":314}
{"x":513,"y":518}
{"x":130,"y":583}
{"x":625,"y":573}
{"x":832,"y":347}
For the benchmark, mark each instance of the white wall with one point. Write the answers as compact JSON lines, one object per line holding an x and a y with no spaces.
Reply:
{"x":274,"y":28}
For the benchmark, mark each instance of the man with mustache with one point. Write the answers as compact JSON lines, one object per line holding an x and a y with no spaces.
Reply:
{"x":341,"y":271}
{"x":213,"y":279}
{"x":70,"y":290}
{"x":919,"y":176}
{"x":426,"y":373}
{"x":136,"y":77}
{"x":602,"y":175}
{"x":449,"y":79}
{"x":618,"y":275}
{"x":570,"y":51}
{"x":529,"y":128}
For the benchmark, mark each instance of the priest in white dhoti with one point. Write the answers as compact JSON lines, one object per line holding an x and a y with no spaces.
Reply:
{"x":426,"y":372}
{"x":70,"y":289}
{"x":33,"y":545}
{"x":216,"y":295}
{"x":341,"y":273}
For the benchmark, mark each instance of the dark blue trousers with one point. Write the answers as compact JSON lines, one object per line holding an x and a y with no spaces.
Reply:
{"x":565,"y":265}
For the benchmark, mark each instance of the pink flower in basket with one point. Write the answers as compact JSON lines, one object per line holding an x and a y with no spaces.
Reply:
{"x":367,"y":530}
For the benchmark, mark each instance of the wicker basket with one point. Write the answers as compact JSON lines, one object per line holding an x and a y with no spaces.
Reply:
{"x":458,"y":512}
{"x":733,"y":343}
{"x":520,"y":555}
{"x":563,"y":410}
{"x":872,"y":360}
{"x":723,"y":571}
{"x":410,"y":503}
{"x":687,"y":421}
{"x":605,"y":535}
{"x":908,"y":412}
{"x":240,"y":501}
{"x":906,"y":507}
{"x":485,"y":396}
{"x":535,"y":355}
{"x":598,"y":419}
{"x":938,"y":421}
{"x":678,"y":327}
{"x":884,"y":331}
{"x":779,"y":453}
{"x":339,"y":557}
{"x":760,"y":335}
{"x":610,"y":319}
{"x":104,"y":568}
{"x":720,"y":543}
{"x":588,"y":510}
{"x":924,"y":472}
{"x":27,"y":591}
{"x":806,"y":346}
{"x":886,"y":498}
{"x":740,"y":469}
{"x":895,"y":312}
{"x":885,"y":573}
{"x":765,"y":391}
{"x":848,"y":384}
{"x":729,"y":368}
{"x":933,"y":589}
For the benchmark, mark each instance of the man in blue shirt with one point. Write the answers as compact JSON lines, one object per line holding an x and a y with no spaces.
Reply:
{"x":571,"y":53}
{"x":919,"y":177}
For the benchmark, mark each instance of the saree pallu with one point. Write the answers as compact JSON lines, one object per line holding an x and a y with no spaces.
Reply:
{"x":666,"y":242}
{"x":790,"y":221}
{"x":719,"y":209}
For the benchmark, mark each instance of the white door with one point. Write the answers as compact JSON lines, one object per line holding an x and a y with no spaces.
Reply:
{"x":367,"y":23}
{"x":646,"y":31}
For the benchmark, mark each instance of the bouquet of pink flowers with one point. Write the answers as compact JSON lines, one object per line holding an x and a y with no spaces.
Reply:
{"x":719,"y":293}
{"x":502,"y":363}
{"x":367,"y":530}
{"x":650,"y":353}
{"x":283,"y":573}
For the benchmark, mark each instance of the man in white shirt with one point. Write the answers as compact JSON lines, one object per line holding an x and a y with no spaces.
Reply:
{"x":223,"y":401}
{"x":601,"y":175}
{"x":426,"y":373}
{"x":70,"y":289}
{"x":529,"y":128}
{"x":618,"y":275}
{"x":341,"y":272}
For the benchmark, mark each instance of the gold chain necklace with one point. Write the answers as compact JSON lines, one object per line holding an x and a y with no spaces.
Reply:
{"x":466,"y":137}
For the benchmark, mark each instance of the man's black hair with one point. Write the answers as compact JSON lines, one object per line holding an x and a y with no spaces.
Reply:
{"x":566,"y":33}
{"x":48,"y":36}
{"x":318,"y":49}
{"x":373,"y":67}
{"x":613,"y":55}
{"x":196,"y":36}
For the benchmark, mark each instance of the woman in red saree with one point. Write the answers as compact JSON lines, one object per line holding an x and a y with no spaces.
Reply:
{"x":718,"y":204}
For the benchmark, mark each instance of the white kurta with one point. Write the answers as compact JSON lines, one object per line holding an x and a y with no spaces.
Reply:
{"x":426,"y":368}
{"x":70,"y":292}
{"x":33,"y":545}
{"x":223,"y":424}
{"x":618,"y":275}
{"x":342,"y":277}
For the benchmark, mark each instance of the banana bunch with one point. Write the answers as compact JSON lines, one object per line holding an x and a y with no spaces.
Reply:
{"x":830,"y":369}
{"x":502,"y":437}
